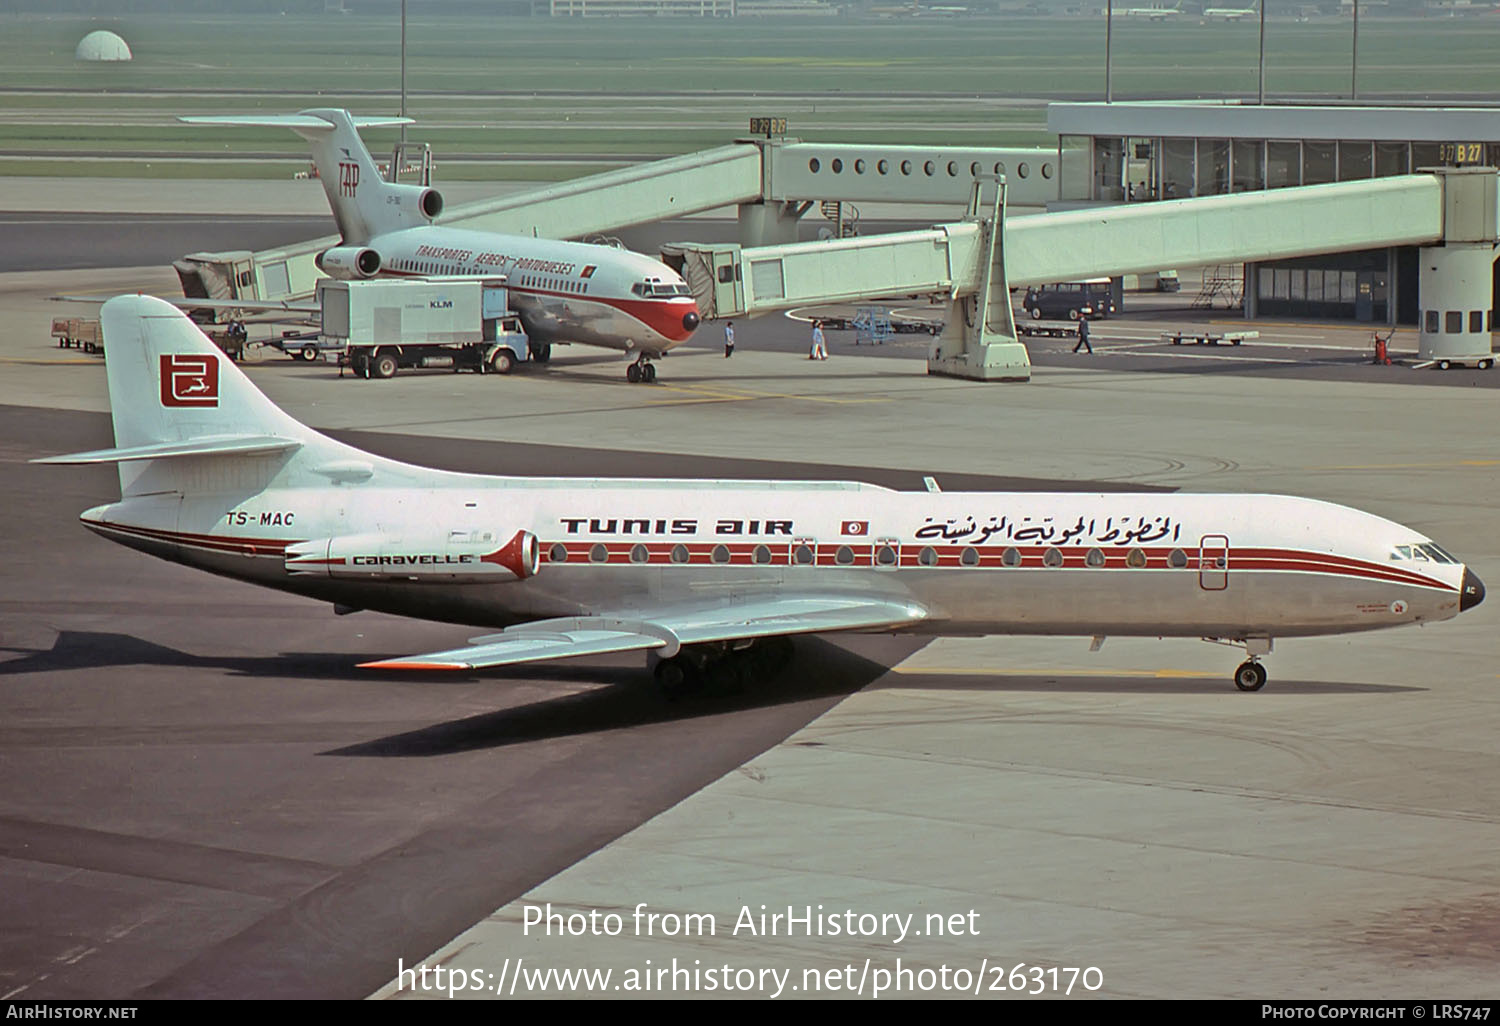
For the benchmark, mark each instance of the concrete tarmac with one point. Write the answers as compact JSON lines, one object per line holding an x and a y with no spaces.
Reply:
{"x":212,"y":802}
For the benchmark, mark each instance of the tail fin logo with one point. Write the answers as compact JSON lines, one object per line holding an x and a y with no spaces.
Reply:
{"x":189,"y":381}
{"x":348,"y":178}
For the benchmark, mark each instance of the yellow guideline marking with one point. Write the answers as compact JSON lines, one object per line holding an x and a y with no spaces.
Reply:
{"x":965,"y":671}
{"x":708,"y":395}
{"x":1409,"y":466}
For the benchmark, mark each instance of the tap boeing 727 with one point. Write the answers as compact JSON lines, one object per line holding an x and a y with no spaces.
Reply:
{"x":712,"y":577}
{"x":563,"y":291}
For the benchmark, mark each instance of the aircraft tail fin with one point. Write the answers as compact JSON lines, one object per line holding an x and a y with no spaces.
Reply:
{"x":364,"y":204}
{"x":177,"y":399}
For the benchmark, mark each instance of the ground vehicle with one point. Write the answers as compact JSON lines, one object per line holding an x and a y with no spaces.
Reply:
{"x":1094,"y":297}
{"x":384,"y":325}
{"x":77,"y":333}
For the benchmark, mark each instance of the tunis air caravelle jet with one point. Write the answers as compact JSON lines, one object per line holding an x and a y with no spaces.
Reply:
{"x":712,"y":577}
{"x":563,"y":291}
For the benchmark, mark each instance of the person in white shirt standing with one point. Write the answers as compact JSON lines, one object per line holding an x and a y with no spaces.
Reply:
{"x":728,"y":339}
{"x":819,"y":350}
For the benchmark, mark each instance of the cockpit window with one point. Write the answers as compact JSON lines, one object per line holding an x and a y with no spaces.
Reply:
{"x":1435,"y":553}
{"x":663,"y":290}
{"x":1427,"y":552}
{"x":640,"y":288}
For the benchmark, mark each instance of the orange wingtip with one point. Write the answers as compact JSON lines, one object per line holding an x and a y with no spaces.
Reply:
{"x":398,"y":664}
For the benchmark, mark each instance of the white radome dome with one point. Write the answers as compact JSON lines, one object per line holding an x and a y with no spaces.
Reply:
{"x":102,"y":46}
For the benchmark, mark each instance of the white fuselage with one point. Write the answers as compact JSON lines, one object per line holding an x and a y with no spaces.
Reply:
{"x":563,"y":291}
{"x":980,"y":563}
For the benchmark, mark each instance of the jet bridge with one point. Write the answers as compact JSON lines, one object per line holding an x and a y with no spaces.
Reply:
{"x":772,"y":182}
{"x":1451,"y":213}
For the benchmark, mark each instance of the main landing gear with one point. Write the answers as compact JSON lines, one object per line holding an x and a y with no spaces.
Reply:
{"x":642,"y":370}
{"x":722,"y":668}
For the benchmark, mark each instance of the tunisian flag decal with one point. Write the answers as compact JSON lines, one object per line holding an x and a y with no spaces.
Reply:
{"x":859,"y":528}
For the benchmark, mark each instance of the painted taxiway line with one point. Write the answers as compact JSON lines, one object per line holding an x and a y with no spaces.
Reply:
{"x":1103,"y":671}
{"x":692,"y":395}
{"x":74,"y":362}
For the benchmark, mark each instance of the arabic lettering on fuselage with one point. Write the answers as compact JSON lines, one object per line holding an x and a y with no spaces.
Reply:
{"x":1111,"y":530}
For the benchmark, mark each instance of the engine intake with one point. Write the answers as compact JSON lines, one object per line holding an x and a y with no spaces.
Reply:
{"x":415,"y":200}
{"x":455,"y":557}
{"x":349,"y":262}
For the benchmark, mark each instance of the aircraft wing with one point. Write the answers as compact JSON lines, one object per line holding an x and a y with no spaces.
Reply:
{"x":303,"y":307}
{"x":668,"y":629}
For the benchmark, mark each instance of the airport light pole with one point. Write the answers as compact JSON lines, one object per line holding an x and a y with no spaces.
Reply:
{"x":1354,"y":58}
{"x":1109,"y":24}
{"x":1260,"y":92}
{"x":403,"y":68}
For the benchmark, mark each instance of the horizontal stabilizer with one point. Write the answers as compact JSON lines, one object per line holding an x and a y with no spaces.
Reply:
{"x":668,"y":629}
{"x":220,"y":445}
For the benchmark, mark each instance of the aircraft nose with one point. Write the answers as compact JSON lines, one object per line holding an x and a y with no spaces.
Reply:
{"x":1470,"y":591}
{"x":691,"y":320}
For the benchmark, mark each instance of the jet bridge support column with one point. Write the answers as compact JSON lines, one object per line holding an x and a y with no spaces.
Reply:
{"x":979,"y":339}
{"x":771,"y":222}
{"x":1455,"y":285}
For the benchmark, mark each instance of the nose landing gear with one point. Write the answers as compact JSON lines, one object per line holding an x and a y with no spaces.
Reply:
{"x":642,"y":370}
{"x":1250,"y":676}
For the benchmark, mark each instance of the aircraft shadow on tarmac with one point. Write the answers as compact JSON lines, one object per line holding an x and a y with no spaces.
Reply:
{"x":1107,"y":684}
{"x":91,"y":650}
{"x":820,"y":670}
{"x":626,"y":696}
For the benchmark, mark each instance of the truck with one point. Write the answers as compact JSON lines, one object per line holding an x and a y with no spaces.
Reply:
{"x":382,"y":325}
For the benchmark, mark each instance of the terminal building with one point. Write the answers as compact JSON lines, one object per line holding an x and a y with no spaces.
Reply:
{"x":1142,"y":152}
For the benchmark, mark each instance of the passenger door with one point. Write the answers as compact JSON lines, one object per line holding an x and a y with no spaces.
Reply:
{"x":1213,"y":562}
